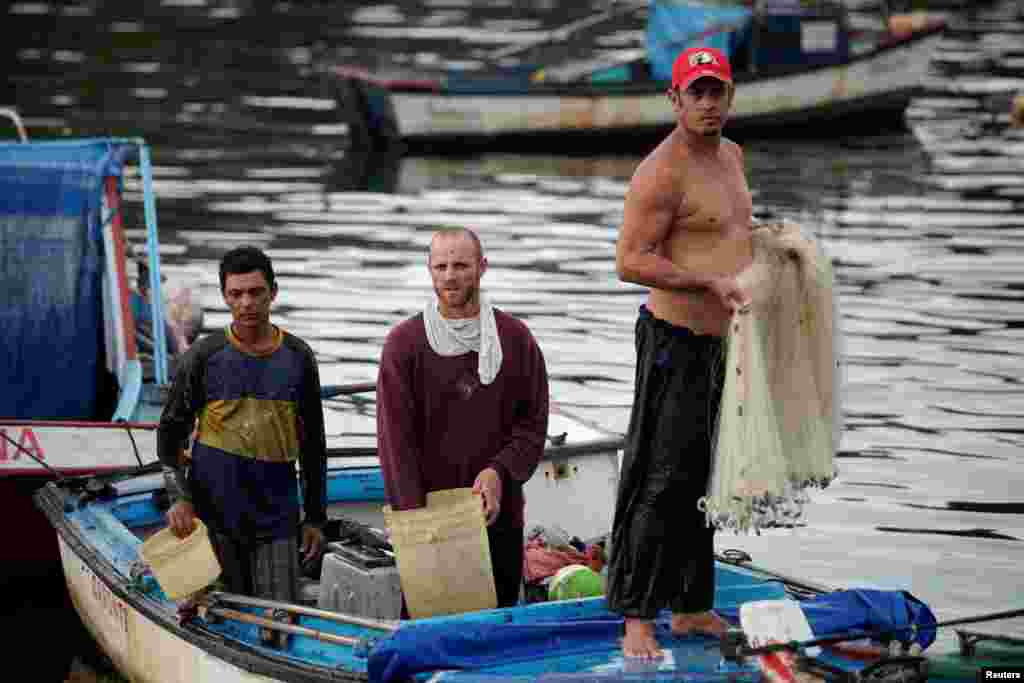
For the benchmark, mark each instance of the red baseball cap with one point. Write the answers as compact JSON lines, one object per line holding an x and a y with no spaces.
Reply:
{"x":697,"y":62}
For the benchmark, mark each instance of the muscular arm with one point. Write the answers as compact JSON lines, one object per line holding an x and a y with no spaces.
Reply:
{"x":651,"y":215}
{"x":397,"y":446}
{"x":650,"y":211}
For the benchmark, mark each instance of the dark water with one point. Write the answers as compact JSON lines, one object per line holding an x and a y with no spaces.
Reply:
{"x":926,"y":228}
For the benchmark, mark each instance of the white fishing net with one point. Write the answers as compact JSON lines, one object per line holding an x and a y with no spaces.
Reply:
{"x":780,"y":418}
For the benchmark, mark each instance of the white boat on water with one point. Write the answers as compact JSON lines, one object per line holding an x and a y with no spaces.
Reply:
{"x":795,"y":64}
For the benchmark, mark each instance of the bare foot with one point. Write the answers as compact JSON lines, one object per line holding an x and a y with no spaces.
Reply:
{"x":639,"y":641}
{"x":708,"y":623}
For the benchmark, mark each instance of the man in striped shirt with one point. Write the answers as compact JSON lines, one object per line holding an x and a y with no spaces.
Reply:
{"x":251,"y":392}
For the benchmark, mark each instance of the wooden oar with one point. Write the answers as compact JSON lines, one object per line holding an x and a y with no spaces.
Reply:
{"x":216,"y":597}
{"x":332,"y":390}
{"x":213,"y":613}
{"x":731,"y":648}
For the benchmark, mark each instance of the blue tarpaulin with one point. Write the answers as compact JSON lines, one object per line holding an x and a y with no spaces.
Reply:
{"x":864,"y":610}
{"x":51,"y":267}
{"x":674,"y":26}
{"x":476,"y":644}
{"x":871,"y":610}
{"x":416,"y":648}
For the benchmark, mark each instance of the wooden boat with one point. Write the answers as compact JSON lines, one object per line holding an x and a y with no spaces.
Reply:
{"x":795,"y":64}
{"x":102,"y":522}
{"x":76,"y":399}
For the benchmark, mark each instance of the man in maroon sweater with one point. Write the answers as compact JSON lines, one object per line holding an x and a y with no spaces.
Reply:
{"x":462,"y":400}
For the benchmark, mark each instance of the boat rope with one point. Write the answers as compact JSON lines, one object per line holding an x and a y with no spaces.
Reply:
{"x":135,"y":446}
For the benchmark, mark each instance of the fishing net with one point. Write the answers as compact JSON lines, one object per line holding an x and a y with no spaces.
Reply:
{"x":780,"y":420}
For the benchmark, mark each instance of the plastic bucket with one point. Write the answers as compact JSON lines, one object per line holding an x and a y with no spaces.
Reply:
{"x":181,"y":566}
{"x":443,"y":556}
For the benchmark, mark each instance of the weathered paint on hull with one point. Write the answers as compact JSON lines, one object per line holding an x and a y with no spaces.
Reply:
{"x":893,"y":74}
{"x":140,"y":648}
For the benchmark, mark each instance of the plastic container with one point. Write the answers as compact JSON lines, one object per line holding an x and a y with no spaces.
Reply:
{"x":443,"y":555}
{"x":356,"y":581}
{"x":181,"y":566}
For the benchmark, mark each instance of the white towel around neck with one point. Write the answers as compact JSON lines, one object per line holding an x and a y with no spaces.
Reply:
{"x":456,"y":336}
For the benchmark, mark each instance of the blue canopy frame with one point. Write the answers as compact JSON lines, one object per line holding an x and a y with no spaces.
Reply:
{"x":52,"y":261}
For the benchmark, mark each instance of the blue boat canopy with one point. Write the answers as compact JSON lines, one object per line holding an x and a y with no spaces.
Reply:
{"x":673,"y":26}
{"x":789,"y":36}
{"x":51,"y":275}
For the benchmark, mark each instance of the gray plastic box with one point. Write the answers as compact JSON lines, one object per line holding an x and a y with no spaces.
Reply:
{"x":360,"y":581}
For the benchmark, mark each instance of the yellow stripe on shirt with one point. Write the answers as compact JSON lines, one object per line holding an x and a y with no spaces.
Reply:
{"x":251,"y":428}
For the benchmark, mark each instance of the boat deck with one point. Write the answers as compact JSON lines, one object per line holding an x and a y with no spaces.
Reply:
{"x":567,"y":640}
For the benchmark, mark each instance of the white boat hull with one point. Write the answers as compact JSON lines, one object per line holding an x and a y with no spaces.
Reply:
{"x":73,"y":448}
{"x":857,"y":86}
{"x":142,"y":649}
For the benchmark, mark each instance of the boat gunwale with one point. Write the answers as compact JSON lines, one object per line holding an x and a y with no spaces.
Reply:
{"x":622,"y":137}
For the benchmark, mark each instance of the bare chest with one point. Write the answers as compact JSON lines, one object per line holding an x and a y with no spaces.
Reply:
{"x":714,"y":203}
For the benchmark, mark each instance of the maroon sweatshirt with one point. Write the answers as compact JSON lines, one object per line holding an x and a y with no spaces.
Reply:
{"x":438,"y":426}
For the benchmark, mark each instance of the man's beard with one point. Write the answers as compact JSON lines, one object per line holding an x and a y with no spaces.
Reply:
{"x":712,"y":129}
{"x":461,"y":297}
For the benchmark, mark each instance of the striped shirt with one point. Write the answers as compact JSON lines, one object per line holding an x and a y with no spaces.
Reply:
{"x":256,"y":416}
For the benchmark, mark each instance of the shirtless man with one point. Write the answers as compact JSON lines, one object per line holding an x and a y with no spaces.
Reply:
{"x":686,"y":235}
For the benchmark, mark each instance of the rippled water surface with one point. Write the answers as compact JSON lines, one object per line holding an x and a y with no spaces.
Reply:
{"x":926,"y":229}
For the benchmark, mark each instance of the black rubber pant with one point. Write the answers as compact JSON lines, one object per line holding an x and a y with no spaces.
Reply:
{"x":662,"y":549}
